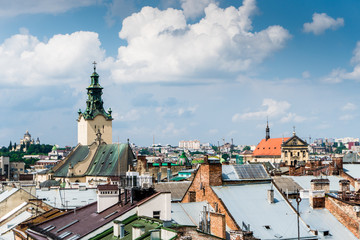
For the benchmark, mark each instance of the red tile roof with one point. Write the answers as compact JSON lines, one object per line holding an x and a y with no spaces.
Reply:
{"x":271,"y":147}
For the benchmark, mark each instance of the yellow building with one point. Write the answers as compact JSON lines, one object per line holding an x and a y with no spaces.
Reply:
{"x":294,"y":150}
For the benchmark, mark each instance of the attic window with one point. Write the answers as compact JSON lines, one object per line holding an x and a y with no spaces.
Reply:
{"x":267,"y":227}
{"x":274,"y":147}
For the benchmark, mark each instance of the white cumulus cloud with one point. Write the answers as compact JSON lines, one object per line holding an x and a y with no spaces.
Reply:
{"x":163,"y":47}
{"x":194,"y":8}
{"x":24,"y":60}
{"x":339,"y":74}
{"x":321,"y":22}
{"x":349,"y":107}
{"x":292,"y":117}
{"x":271,"y":108}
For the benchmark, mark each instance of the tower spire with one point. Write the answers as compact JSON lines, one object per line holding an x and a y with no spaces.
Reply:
{"x":267,"y":136}
{"x":94,"y":103}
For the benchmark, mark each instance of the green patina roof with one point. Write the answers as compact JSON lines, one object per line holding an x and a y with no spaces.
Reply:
{"x":78,"y":155}
{"x":147,"y":223}
{"x":94,"y":103}
{"x":105,"y":161}
{"x":54,"y":148}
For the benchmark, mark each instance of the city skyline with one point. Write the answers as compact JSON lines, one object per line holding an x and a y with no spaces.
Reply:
{"x":181,"y":70}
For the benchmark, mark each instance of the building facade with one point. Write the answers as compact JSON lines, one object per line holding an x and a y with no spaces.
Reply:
{"x":294,"y":150}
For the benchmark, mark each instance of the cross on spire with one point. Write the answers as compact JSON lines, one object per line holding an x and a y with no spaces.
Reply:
{"x":94,"y":66}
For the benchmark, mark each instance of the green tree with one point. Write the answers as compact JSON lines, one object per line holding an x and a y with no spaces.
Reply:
{"x":10,"y":146}
{"x":225,"y":156}
{"x":246,"y":148}
{"x":215,"y":148}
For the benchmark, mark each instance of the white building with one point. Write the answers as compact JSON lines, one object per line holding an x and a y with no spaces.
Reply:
{"x":192,"y":144}
{"x":5,"y":166}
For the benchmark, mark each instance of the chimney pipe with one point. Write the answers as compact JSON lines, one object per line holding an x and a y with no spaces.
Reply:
{"x":270,"y":196}
{"x":168,"y":174}
{"x":119,"y":229}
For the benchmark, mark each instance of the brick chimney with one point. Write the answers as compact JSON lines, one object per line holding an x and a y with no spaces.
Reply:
{"x":317,"y":199}
{"x":344,"y":185}
{"x":357,"y":185}
{"x":211,"y":172}
{"x":107,"y":196}
{"x":320,"y":184}
{"x":218,"y":225}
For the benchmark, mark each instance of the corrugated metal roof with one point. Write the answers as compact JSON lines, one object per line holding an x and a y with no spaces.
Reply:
{"x":14,"y":222}
{"x":67,"y":198}
{"x":322,"y":219}
{"x":78,"y":155}
{"x":352,"y":169}
{"x":244,"y":172}
{"x":4,"y":195}
{"x":105,"y":161}
{"x":248,"y":204}
{"x":305,"y":182}
{"x":187,"y":214}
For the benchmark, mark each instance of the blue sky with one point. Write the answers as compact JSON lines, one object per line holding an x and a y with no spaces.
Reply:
{"x":181,"y":69}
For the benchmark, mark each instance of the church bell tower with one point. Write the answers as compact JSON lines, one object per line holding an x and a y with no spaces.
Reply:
{"x":94,"y":119}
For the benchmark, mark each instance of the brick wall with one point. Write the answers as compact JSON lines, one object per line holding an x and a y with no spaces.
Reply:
{"x":217,"y":224}
{"x":190,"y":233}
{"x":209,"y":174}
{"x":345,"y":214}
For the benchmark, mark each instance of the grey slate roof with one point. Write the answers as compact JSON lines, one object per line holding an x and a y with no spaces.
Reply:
{"x":177,"y":189}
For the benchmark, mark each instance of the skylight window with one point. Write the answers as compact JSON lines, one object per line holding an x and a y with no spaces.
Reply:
{"x":64,"y":235}
{"x":49,"y":228}
{"x":267,"y":227}
{"x":66,"y":226}
{"x":77,"y":236}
